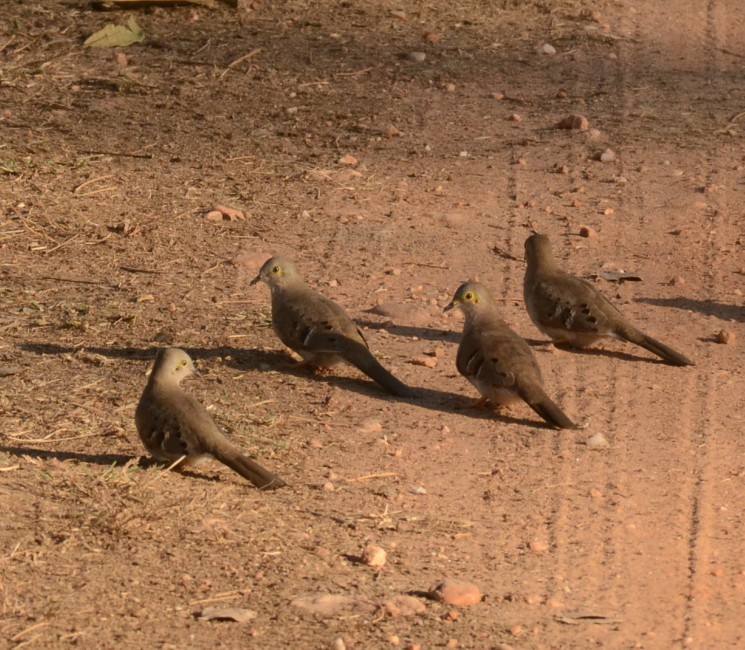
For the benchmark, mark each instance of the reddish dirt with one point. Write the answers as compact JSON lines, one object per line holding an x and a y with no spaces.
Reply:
{"x":108,"y":170}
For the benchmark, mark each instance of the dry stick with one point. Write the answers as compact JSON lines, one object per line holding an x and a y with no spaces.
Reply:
{"x":56,"y":279}
{"x":64,"y":243}
{"x":103,"y":189}
{"x":28,"y":629}
{"x":261,"y":403}
{"x":241,"y":59}
{"x":8,"y":42}
{"x":134,"y":269}
{"x":34,"y":232}
{"x":92,"y":180}
{"x":117,"y":153}
{"x":36,"y":441}
{"x":353,"y":74}
{"x":10,"y":469}
{"x":371,"y":476}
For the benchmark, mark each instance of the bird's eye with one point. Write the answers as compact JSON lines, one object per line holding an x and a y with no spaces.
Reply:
{"x":276,"y":269}
{"x":468,"y":296}
{"x":184,"y":362}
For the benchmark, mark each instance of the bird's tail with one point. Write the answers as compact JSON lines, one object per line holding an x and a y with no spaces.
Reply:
{"x":665,"y":352}
{"x":262,"y":478}
{"x":549,"y":411}
{"x":360,"y":357}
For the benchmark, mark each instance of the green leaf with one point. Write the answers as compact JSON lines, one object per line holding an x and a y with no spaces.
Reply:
{"x":117,"y":35}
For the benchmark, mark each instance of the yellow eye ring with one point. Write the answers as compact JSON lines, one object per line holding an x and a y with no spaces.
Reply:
{"x":276,"y":269}
{"x":468,"y":296}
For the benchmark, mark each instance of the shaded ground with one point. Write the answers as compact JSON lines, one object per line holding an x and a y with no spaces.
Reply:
{"x":108,"y":170}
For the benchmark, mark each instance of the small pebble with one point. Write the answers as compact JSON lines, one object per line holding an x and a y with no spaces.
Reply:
{"x":561,"y":94}
{"x":416,"y":57}
{"x":548,"y":49}
{"x":373,"y":556}
{"x":676,"y":281}
{"x":598,"y":441}
{"x":609,"y":212}
{"x":607,"y":156}
{"x":348,"y":159}
{"x":574,"y":122}
{"x":418,"y":490}
{"x":450,"y":88}
{"x":404,"y":605}
{"x":339,"y":644}
{"x":120,"y":58}
{"x":515,"y":118}
{"x":328,"y":486}
{"x":370,"y":425}
{"x":458,"y":593}
{"x":421,"y":360}
{"x":538,"y":546}
{"x":726,"y":337}
{"x":586,"y":231}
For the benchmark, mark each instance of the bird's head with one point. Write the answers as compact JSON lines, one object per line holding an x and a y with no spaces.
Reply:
{"x":470,"y":297}
{"x":538,"y":249}
{"x":277,"y":272}
{"x":173,"y":364}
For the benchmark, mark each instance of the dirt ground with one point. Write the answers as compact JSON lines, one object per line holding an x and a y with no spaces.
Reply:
{"x":389,"y":180}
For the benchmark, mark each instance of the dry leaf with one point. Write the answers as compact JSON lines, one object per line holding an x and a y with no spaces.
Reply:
{"x":117,"y":35}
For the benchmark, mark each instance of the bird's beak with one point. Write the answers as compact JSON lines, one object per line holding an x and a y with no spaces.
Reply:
{"x":256,"y":280}
{"x":453,"y":303}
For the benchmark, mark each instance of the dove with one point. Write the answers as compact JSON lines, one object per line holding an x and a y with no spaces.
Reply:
{"x":573,"y":312}
{"x":496,"y":360}
{"x":173,"y":424}
{"x":317,"y":328}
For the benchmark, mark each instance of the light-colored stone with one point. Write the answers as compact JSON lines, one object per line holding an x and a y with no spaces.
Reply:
{"x":373,"y":556}
{"x":404,"y":605}
{"x":458,"y":593}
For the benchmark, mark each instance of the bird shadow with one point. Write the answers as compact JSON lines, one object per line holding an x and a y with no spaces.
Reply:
{"x":706,"y":307}
{"x":244,"y":359}
{"x":108,"y":460}
{"x":593,"y":352}
{"x":424,"y":333}
{"x":105,"y":460}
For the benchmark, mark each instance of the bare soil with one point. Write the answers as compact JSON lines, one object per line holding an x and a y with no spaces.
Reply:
{"x":110,"y":165}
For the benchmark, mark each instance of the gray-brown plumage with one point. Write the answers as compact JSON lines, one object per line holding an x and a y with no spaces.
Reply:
{"x":173,"y":424}
{"x":318,"y":329}
{"x":496,"y":360}
{"x":571,"y":311}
